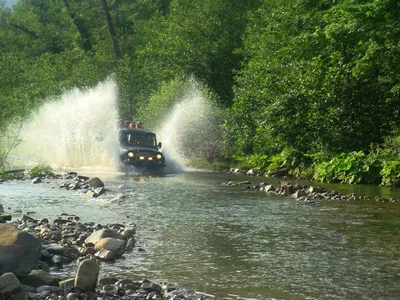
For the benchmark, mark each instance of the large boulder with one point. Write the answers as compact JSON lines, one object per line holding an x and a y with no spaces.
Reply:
{"x":111,"y":244}
{"x":19,"y":251}
{"x":103,"y":233}
{"x":87,"y":275}
{"x":95,"y":182}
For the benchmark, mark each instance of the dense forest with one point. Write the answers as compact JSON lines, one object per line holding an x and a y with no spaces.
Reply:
{"x":310,"y":88}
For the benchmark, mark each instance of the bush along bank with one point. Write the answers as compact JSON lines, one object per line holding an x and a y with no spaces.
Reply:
{"x":381,"y":166}
{"x":32,"y":253}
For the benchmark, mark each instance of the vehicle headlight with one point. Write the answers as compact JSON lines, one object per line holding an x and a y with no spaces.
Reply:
{"x":158,"y":156}
{"x":130,"y":154}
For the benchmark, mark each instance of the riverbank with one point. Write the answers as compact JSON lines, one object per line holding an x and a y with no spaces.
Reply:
{"x":301,"y":192}
{"x":31,"y":264}
{"x":34,"y":252}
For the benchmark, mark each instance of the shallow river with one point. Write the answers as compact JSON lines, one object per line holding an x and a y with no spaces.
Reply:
{"x":233,"y":242}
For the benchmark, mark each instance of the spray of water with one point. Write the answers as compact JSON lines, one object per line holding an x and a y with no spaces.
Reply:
{"x":189,"y":128}
{"x":77,"y":130}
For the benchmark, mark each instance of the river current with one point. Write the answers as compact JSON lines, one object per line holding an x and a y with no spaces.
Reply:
{"x":232,"y":242}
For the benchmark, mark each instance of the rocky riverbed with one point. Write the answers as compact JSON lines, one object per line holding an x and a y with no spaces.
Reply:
{"x":33,"y":251}
{"x":303,"y":193}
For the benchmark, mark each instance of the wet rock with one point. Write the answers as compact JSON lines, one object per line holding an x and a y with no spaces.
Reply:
{"x":130,"y":245}
{"x":36,"y":180}
{"x":87,"y":275}
{"x":49,"y":288}
{"x":101,"y":234}
{"x":98,"y":191}
{"x":298,"y":194}
{"x":106,"y":255}
{"x":73,"y":296}
{"x":66,"y":283}
{"x":95,"y":182}
{"x":1,"y":209}
{"x":151,"y":287}
{"x":19,"y":250}
{"x":115,"y":245}
{"x":269,"y":188}
{"x":38,"y":278}
{"x":5,"y":217}
{"x":107,"y":280}
{"x":9,"y":284}
{"x":251,"y":172}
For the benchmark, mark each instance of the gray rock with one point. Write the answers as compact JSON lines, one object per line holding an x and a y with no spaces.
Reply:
{"x":19,"y":251}
{"x":101,"y":234}
{"x":151,"y":287}
{"x":107,"y":280}
{"x":87,"y":275}
{"x":5,"y":216}
{"x":66,"y":283}
{"x":269,"y":188}
{"x":298,"y":194}
{"x":129,"y":231}
{"x":1,"y":208}
{"x":130,"y":245}
{"x":50,"y":288}
{"x":37,"y":278}
{"x":106,"y":255}
{"x":54,"y":248}
{"x":115,"y":245}
{"x":99,"y":191}
{"x":251,"y":172}
{"x":95,"y":182}
{"x":36,"y":180}
{"x":9,"y":284}
{"x":73,"y":296}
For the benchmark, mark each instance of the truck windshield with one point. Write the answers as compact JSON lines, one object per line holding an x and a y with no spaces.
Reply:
{"x":137,"y":139}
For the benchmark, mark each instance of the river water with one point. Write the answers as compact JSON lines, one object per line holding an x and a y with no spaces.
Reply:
{"x":233,"y":242}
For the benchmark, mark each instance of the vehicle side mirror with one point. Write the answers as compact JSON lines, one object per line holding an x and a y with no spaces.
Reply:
{"x":159,"y":145}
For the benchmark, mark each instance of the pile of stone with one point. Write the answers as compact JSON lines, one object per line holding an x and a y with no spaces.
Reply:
{"x":66,"y":238}
{"x":93,"y":187}
{"x":87,"y":285}
{"x":32,"y":251}
{"x":307,"y":194}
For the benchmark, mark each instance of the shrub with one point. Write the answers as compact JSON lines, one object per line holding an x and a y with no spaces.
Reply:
{"x":41,"y":171}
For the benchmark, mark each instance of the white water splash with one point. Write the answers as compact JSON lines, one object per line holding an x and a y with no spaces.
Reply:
{"x":188,"y":128}
{"x":77,"y":130}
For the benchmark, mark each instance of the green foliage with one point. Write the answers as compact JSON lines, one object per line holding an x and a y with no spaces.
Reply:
{"x":41,"y":171}
{"x":282,"y":162}
{"x":391,"y":173}
{"x":6,"y":175}
{"x":307,"y":85}
{"x":159,"y":104}
{"x":330,"y":83}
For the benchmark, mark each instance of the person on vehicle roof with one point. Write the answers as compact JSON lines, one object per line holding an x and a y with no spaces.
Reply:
{"x":139,"y":125}
{"x":132,"y":125}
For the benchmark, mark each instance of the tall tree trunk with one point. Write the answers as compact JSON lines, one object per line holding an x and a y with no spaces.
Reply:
{"x":111,"y":30}
{"x":86,"y":44}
